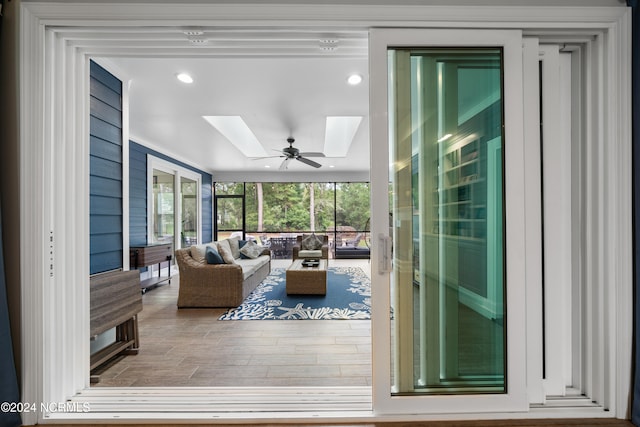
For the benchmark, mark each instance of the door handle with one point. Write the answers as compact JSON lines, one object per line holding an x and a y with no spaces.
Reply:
{"x":384,"y":253}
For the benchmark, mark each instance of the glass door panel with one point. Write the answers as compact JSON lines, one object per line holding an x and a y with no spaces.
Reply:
{"x":447,"y":195}
{"x":446,"y":157}
{"x":163,"y":207}
{"x":189,"y":210}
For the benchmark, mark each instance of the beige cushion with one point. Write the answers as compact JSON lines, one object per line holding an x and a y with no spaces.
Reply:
{"x":251,"y":250}
{"x":225,"y":251}
{"x":310,"y":254}
{"x":250,"y":266}
{"x":198,"y":253}
{"x":234,"y":244}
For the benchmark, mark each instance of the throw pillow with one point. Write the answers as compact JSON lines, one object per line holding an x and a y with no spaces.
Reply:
{"x":198,"y":253}
{"x":311,"y":242}
{"x":234,"y":244}
{"x":241,"y":244}
{"x":251,"y":250}
{"x":225,"y":251}
{"x":213,"y":256}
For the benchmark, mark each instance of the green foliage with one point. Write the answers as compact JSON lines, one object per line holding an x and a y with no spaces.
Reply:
{"x":324,"y":206}
{"x":286,"y":207}
{"x":353,"y":204}
{"x":227,"y":188}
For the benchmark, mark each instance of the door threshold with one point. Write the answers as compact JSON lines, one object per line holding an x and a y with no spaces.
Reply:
{"x":211,"y":403}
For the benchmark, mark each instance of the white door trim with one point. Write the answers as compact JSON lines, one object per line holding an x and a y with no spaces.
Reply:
{"x":54,"y":166}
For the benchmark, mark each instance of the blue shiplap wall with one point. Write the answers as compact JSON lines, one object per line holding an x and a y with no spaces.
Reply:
{"x":138,"y":194}
{"x":105,"y":171}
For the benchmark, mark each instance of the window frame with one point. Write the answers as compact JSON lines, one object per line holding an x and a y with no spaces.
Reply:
{"x":156,"y":163}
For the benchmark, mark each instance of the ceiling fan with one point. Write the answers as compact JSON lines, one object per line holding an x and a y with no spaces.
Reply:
{"x":292,"y":153}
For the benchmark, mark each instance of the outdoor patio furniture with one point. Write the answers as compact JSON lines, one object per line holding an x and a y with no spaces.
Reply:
{"x":281,"y":247}
{"x":323,"y":252}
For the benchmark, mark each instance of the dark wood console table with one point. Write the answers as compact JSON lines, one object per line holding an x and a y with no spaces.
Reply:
{"x":144,"y":256}
{"x":115,"y":302}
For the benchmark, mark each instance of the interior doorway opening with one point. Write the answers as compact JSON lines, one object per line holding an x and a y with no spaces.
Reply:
{"x":42,"y":351}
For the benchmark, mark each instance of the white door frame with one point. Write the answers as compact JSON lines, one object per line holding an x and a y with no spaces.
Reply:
{"x":54,"y":209}
{"x":178,"y":172}
{"x":515,"y":399}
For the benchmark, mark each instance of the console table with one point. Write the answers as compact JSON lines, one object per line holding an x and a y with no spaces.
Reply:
{"x":144,"y":256}
{"x":115,"y":302}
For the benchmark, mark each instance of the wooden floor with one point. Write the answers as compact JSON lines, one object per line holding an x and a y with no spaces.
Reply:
{"x":190,"y":347}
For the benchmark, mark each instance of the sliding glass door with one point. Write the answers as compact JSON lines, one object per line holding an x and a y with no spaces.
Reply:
{"x":447,"y":194}
{"x":443,"y":268}
{"x":174,"y":204}
{"x":163,"y":207}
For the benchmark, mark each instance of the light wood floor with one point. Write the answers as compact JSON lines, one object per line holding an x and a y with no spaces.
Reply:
{"x":190,"y":347}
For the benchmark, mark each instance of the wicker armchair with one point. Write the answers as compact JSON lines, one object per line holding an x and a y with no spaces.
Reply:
{"x":323,"y":253}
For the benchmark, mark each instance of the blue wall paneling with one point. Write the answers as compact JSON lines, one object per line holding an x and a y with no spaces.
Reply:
{"x":105,"y":181}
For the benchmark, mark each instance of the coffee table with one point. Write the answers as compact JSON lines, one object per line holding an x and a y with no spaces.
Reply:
{"x":307,"y":280}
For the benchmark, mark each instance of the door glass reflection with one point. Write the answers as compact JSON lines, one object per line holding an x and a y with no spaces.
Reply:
{"x":447,"y":209}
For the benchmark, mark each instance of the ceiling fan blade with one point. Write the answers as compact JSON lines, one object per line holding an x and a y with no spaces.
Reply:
{"x":266,"y":157}
{"x":311,"y":154}
{"x":284,"y":164}
{"x":309,"y":162}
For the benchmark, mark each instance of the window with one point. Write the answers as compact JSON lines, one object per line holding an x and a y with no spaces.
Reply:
{"x":275,"y":209}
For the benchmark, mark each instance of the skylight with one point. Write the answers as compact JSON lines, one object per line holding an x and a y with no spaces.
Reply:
{"x":339,"y":134}
{"x":238,"y":133}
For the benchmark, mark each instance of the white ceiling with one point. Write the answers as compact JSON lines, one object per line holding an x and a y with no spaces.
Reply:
{"x":278,"y":95}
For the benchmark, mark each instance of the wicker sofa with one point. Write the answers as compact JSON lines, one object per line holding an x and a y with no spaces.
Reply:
{"x":218,"y":285}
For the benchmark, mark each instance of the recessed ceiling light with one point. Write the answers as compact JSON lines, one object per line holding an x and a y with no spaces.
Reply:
{"x":354,"y":79}
{"x":267,"y":166}
{"x":184,"y":78}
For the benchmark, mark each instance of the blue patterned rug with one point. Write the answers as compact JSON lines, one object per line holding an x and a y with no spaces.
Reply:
{"x":348,"y":297}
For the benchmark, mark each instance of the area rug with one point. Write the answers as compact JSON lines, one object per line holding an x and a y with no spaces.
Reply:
{"x":348,"y":297}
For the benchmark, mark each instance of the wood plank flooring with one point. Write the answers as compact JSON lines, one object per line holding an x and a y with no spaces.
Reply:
{"x":190,"y":347}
